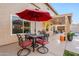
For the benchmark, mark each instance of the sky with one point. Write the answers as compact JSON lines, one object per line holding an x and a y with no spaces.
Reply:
{"x":64,"y":8}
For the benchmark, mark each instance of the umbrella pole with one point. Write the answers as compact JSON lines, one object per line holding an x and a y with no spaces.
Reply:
{"x":35,"y":28}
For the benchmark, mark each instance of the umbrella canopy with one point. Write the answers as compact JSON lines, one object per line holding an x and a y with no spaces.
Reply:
{"x":34,"y":15}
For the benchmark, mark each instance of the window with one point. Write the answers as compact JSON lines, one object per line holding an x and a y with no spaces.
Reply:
{"x":61,"y":28}
{"x":59,"y":21}
{"x":20,"y":26}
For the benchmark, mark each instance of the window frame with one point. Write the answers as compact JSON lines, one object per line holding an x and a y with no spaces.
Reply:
{"x":12,"y":25}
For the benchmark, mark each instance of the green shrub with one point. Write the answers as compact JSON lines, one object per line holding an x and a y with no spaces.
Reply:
{"x":69,"y":53}
{"x":71,"y":33}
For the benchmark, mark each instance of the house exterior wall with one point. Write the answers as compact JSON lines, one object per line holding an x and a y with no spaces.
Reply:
{"x":62,"y":20}
{"x":6,"y":10}
{"x":66,"y":24}
{"x":45,"y":8}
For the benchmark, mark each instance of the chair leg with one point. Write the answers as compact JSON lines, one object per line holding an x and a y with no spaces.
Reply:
{"x":42,"y":49}
{"x":26,"y":50}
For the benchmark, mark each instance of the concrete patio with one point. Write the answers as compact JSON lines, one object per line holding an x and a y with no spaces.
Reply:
{"x":73,"y":45}
{"x":55,"y":48}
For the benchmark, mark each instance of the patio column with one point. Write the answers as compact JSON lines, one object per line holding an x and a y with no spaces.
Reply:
{"x":67,"y":23}
{"x":66,"y":26}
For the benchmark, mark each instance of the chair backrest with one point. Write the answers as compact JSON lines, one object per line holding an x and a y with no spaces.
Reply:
{"x":20,"y":39}
{"x":26,"y":37}
{"x":45,"y":37}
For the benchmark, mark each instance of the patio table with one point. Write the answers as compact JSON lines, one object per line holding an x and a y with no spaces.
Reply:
{"x":34,"y":39}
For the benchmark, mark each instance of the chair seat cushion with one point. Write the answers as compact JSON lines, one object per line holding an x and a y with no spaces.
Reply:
{"x":25,"y":43}
{"x":41,"y":41}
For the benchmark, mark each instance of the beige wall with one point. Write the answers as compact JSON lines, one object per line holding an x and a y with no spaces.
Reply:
{"x":45,"y":8}
{"x":6,"y":10}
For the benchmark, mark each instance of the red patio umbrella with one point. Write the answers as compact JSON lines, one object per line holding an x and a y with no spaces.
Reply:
{"x":34,"y":15}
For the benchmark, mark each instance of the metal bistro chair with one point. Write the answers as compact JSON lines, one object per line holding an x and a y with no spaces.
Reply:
{"x":42,"y":41}
{"x":24,"y":45}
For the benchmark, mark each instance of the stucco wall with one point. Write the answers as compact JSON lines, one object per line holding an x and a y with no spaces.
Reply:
{"x":6,"y":10}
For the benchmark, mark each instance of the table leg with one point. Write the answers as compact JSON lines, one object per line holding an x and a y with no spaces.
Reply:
{"x":33,"y":45}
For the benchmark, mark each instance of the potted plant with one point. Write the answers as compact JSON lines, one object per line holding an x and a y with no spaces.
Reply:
{"x":70,"y":36}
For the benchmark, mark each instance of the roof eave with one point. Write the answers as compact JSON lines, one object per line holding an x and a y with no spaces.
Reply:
{"x":51,"y":8}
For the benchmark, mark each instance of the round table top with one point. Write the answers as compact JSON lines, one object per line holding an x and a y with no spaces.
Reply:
{"x":33,"y":35}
